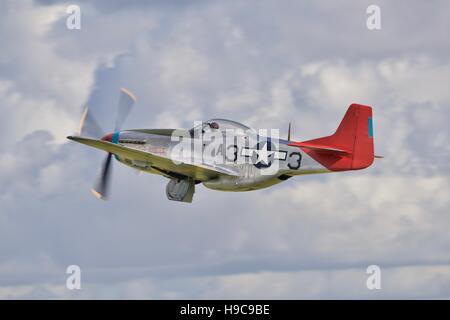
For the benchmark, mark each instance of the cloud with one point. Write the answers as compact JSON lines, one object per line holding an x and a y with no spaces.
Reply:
{"x":38,"y":88}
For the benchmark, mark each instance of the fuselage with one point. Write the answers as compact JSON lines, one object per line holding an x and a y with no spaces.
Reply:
{"x":259,"y":161}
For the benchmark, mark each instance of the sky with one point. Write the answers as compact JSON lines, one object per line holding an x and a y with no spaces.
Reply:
{"x":264,"y":63}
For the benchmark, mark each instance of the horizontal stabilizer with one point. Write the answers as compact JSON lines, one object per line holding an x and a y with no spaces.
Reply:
{"x":320,"y":148}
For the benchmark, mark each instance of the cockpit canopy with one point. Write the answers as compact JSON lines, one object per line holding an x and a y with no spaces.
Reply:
{"x":220,"y":125}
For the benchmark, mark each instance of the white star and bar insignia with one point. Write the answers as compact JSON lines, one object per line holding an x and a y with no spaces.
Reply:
{"x":263,"y":154}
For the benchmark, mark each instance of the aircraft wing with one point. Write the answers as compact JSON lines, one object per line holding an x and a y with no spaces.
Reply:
{"x":198,"y":171}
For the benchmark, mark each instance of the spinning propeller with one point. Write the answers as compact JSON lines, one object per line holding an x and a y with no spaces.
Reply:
{"x":88,"y":126}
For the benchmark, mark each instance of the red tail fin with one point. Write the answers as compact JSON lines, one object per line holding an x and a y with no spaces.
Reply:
{"x":350,"y":147}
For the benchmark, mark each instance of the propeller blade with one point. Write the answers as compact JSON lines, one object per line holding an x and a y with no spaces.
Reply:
{"x":126,"y":101}
{"x":88,"y":127}
{"x":101,"y":188}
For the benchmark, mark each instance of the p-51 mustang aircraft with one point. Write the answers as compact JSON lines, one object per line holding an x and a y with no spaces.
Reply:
{"x":243,"y":160}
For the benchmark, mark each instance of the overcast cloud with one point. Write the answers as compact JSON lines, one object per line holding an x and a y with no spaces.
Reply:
{"x":262,"y":63}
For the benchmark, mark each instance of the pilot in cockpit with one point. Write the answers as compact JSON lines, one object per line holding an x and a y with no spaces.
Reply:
{"x":204,"y":127}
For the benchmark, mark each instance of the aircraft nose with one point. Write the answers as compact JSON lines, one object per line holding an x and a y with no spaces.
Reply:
{"x":108,"y":137}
